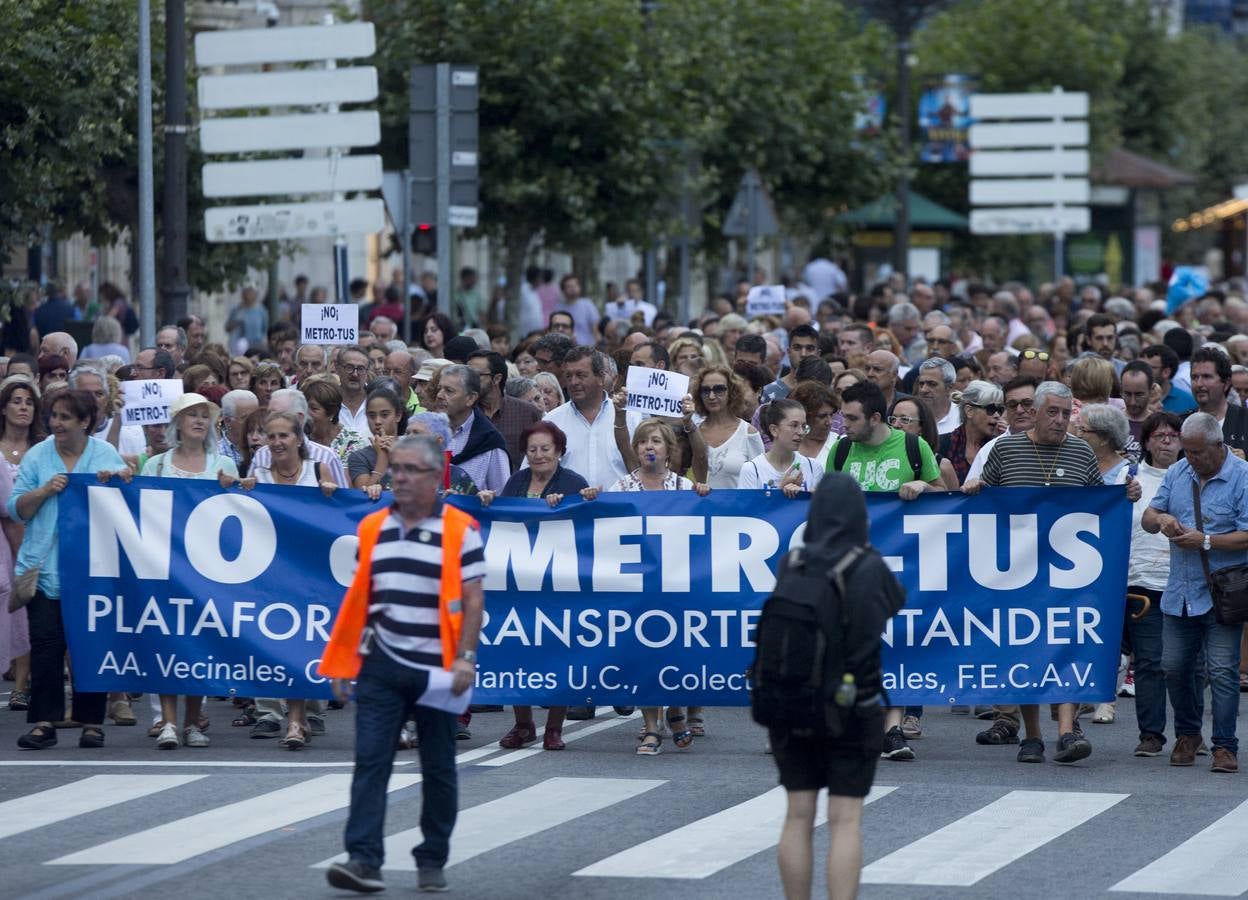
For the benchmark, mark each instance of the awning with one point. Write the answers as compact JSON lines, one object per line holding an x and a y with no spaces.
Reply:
{"x":924,"y":213}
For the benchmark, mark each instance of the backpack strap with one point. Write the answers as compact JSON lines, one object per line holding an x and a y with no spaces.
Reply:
{"x":914,"y":455}
{"x":837,"y":574}
{"x":840,"y":454}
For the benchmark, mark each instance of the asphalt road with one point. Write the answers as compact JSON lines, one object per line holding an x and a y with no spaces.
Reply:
{"x":244,"y":818}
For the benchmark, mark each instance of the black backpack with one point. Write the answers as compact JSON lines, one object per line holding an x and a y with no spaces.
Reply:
{"x":841,"y":453}
{"x":800,"y":653}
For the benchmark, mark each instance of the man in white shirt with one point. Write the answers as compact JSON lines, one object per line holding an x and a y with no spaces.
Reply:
{"x":933,"y":387}
{"x":824,"y":277}
{"x":531,"y":318}
{"x":632,"y":302}
{"x":352,"y":369}
{"x":594,"y":428}
{"x":291,"y":400}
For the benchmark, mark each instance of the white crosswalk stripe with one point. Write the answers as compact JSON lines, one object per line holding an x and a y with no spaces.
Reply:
{"x":972,"y":848}
{"x":215,"y":828}
{"x":77,"y":798}
{"x":530,"y":811}
{"x":704,"y":847}
{"x":1213,"y":862}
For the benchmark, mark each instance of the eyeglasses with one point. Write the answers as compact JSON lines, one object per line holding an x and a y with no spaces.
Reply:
{"x":1042,"y":355}
{"x":993,"y":409}
{"x":1164,"y":435}
{"x":1019,"y":404}
{"x":713,"y":390}
{"x":800,"y":429}
{"x":898,"y":421}
{"x":353,"y":370}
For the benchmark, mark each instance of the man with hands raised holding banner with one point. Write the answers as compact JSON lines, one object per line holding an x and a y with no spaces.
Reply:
{"x":407,"y":632}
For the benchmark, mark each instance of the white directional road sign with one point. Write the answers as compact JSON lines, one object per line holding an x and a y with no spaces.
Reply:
{"x":260,"y":177}
{"x":248,"y":134}
{"x":254,"y":89}
{"x":996,"y":191}
{"x":251,"y":46}
{"x":283,"y":222}
{"x":1028,"y":134}
{"x":1031,"y":220}
{"x":1028,"y":162}
{"x":1055,"y":105}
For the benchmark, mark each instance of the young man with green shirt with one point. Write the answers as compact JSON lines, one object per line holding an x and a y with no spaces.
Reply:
{"x":883,"y":458}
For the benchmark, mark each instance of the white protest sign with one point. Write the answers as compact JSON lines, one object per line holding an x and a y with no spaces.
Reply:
{"x":765,"y":300}
{"x":330,"y":323}
{"x":656,"y":392}
{"x":147,"y":402}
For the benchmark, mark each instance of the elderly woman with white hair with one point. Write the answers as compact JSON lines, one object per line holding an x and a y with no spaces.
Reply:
{"x":106,"y":340}
{"x":435,"y":424}
{"x":983,"y":407}
{"x":193,"y":453}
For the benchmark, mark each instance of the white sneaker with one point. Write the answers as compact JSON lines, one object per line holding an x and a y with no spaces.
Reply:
{"x":193,"y":737}
{"x":168,"y":739}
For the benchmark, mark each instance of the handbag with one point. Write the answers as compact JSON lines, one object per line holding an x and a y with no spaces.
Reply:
{"x":24,"y":587}
{"x":1228,"y":585}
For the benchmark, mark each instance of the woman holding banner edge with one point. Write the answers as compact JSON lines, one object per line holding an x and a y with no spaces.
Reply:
{"x":43,"y":475}
{"x":192,"y":453}
{"x":544,"y":446}
{"x":655,"y":443}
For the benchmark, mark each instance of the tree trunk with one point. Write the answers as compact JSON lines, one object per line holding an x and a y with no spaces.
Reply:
{"x":516,"y":244}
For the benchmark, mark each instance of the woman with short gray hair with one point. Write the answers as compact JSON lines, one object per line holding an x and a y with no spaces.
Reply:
{"x":983,"y":407}
{"x":106,"y":340}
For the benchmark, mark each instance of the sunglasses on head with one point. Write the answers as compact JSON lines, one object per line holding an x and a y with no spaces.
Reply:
{"x":1042,"y":355}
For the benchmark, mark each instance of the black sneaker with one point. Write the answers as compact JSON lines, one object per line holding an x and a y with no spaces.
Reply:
{"x":580,"y":713}
{"x":1072,"y":747}
{"x":354,"y":875}
{"x":430,"y":879}
{"x":267,"y":728}
{"x":1001,"y":732}
{"x":895,"y":746}
{"x":624,"y":710}
{"x":1031,"y":750}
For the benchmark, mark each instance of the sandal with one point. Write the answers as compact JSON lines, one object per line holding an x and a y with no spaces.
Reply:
{"x":697,"y":726}
{"x":38,"y":738}
{"x":245,"y":719}
{"x":19,"y":701}
{"x":156,"y":729}
{"x":649,"y":747}
{"x":91,"y":738}
{"x":296,"y":737}
{"x":682,"y":738}
{"x":522,"y":734}
{"x":552,"y":739}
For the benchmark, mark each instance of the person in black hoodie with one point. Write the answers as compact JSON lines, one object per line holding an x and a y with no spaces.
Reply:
{"x":837,"y":523}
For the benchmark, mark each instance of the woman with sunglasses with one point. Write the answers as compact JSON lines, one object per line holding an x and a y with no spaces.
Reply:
{"x":983,"y":405}
{"x":718,"y":398}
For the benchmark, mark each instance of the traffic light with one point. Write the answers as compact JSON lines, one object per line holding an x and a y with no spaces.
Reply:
{"x":425,"y":239}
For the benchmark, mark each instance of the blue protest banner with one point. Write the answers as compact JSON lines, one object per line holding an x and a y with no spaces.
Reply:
{"x":632,"y":599}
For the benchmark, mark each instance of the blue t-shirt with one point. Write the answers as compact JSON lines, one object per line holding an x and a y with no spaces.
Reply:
{"x":1178,"y":401}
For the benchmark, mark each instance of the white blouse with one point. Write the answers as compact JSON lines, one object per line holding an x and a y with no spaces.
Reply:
{"x":723,"y":463}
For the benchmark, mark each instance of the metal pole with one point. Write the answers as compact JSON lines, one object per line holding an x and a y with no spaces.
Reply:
{"x":341,"y":275}
{"x":901,"y":234}
{"x":652,"y":274}
{"x":147,"y":215}
{"x":751,"y":225}
{"x":173,"y":211}
{"x":405,"y":238}
{"x":1059,"y":237}
{"x":444,"y":188}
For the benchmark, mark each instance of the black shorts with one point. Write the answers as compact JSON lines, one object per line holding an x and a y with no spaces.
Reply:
{"x":844,"y":765}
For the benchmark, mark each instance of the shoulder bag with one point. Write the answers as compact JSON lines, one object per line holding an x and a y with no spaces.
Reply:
{"x":1228,"y":585}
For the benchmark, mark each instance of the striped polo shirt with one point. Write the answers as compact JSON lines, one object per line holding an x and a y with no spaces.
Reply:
{"x":406,"y":580}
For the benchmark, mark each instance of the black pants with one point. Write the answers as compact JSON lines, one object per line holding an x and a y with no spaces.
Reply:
{"x":47,"y":667}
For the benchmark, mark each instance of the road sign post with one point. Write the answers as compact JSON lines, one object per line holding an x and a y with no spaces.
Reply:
{"x":1029,"y":167}
{"x":751,"y":216}
{"x":314,"y":123}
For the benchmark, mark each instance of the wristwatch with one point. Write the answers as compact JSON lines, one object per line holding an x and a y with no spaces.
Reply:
{"x":1208,"y":543}
{"x":468,"y":655}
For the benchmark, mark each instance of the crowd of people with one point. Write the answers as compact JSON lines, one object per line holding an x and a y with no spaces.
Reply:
{"x":906,"y":388}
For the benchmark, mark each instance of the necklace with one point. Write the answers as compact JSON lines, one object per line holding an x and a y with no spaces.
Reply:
{"x":1048,"y":474}
{"x":291,"y":477}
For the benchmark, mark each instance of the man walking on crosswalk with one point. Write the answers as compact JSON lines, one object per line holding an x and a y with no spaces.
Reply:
{"x":407,"y":632}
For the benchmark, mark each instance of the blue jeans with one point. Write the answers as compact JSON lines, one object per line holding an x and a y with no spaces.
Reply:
{"x":1184,"y":638}
{"x":386,"y":694}
{"x":1150,"y":680}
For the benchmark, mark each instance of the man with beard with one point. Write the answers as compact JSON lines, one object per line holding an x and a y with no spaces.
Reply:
{"x":1211,"y":382}
{"x":1137,"y":393}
